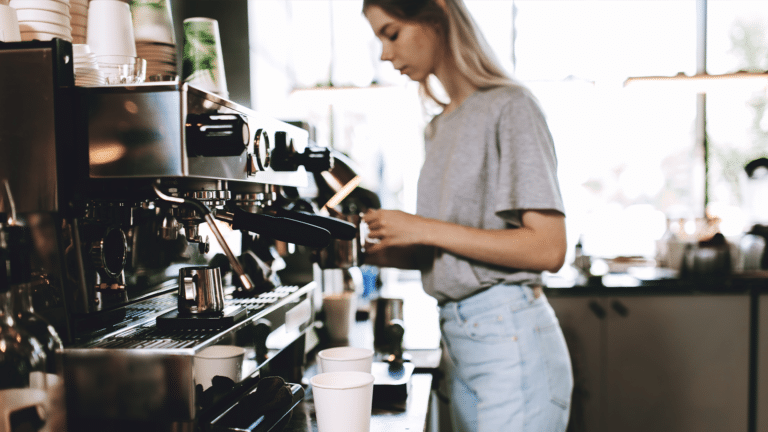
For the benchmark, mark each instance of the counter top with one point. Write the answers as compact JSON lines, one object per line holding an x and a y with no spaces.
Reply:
{"x":413,"y":418}
{"x":650,"y":280}
{"x":421,"y":344}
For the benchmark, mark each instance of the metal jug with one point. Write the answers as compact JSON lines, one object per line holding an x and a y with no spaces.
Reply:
{"x":200,"y":290}
{"x":388,"y":326}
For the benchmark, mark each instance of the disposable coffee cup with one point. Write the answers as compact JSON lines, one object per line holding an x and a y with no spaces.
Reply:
{"x":343,"y":401}
{"x":9,"y":24}
{"x":152,"y":21}
{"x":345,"y":359}
{"x":110,"y":29}
{"x":219,"y":360}
{"x":340,"y":311}
{"x":203,"y":63}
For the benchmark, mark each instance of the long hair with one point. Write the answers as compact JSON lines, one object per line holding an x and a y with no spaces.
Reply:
{"x":466,"y":44}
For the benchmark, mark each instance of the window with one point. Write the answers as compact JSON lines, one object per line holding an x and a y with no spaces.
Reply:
{"x":628,"y":157}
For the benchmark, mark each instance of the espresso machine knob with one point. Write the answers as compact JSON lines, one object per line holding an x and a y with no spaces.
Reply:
{"x":216,"y":134}
{"x":260,"y":159}
{"x":285,"y":157}
{"x":109,"y":252}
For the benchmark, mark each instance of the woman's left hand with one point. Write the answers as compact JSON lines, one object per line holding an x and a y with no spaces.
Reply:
{"x":396,"y":228}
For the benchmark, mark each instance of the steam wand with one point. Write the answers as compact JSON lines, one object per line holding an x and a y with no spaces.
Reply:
{"x":206,"y":212}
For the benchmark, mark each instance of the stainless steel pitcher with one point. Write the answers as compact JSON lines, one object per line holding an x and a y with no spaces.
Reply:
{"x":200,"y":290}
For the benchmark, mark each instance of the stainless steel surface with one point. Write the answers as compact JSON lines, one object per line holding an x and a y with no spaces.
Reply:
{"x":238,"y":269}
{"x":138,"y":131}
{"x":388,"y":326}
{"x":143,"y":373}
{"x":27,"y":134}
{"x":342,"y":254}
{"x":109,"y":252}
{"x":200,"y":290}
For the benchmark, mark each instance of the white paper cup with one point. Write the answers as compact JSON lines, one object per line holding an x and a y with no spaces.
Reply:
{"x":343,"y":359}
{"x":110,"y":28}
{"x":343,"y":401}
{"x":219,"y":360}
{"x":203,"y":65}
{"x":152,"y":23}
{"x":339,"y":313}
{"x":9,"y":25}
{"x":54,"y":6}
{"x":37,"y":26}
{"x":43,"y":16}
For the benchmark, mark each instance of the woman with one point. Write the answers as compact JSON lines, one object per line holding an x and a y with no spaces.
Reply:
{"x":489,"y":220}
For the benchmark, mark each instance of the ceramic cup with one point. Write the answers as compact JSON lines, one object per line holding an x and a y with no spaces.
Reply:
{"x":219,"y":360}
{"x":203,"y":64}
{"x":343,"y":359}
{"x":340,"y":311}
{"x":9,"y":25}
{"x":343,"y":401}
{"x":110,"y":29}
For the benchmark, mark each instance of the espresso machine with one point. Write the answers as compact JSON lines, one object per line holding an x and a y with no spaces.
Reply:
{"x":153,"y":209}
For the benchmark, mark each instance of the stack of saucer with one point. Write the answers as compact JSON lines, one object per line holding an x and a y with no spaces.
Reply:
{"x":87,"y":72}
{"x":79,"y":12}
{"x":43,"y":19}
{"x":155,"y":39}
{"x":161,"y":60}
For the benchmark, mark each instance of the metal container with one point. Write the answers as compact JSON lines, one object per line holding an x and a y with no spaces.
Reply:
{"x":388,"y":325}
{"x":200,"y":290}
{"x":342,"y":253}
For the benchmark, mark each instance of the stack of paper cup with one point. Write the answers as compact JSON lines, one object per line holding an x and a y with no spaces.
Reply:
{"x":43,"y":19}
{"x":203,"y":65}
{"x":78,"y":9}
{"x":9,"y":25}
{"x":110,"y":37}
{"x":87,"y":72}
{"x":155,"y":39}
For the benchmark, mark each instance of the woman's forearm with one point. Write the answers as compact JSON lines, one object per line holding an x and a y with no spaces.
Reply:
{"x":522,"y":248}
{"x":539,"y":244}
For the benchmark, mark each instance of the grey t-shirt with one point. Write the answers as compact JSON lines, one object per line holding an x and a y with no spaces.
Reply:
{"x":485,"y":162}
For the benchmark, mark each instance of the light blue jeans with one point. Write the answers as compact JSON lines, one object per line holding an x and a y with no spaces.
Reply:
{"x":512,"y":370}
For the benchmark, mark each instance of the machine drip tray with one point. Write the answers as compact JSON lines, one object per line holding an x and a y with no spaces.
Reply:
{"x":173,"y":320}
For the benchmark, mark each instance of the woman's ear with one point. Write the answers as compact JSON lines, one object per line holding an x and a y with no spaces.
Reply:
{"x":442,"y":4}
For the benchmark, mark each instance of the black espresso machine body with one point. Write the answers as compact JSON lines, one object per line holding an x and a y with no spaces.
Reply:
{"x":103,"y":178}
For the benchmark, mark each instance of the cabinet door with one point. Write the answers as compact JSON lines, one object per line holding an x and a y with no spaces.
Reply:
{"x":581,"y":319}
{"x":677,"y":363}
{"x":762,"y":364}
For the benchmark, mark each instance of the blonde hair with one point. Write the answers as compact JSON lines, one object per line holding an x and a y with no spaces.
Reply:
{"x":467,"y":46}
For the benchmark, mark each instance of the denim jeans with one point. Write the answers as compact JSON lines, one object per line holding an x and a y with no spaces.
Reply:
{"x":512,"y":370}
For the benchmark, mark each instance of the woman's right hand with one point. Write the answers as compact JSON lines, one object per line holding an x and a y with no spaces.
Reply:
{"x":389,"y":241}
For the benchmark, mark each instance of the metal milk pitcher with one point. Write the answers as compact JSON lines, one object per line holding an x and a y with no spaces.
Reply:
{"x":200,"y":290}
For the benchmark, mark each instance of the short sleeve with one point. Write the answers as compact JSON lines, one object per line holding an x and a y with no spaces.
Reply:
{"x":527,"y":178}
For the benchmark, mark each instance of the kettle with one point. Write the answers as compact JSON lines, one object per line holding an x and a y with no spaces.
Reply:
{"x":710,"y":258}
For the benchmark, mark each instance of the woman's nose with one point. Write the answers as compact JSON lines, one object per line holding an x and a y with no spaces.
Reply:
{"x":386,"y":54}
